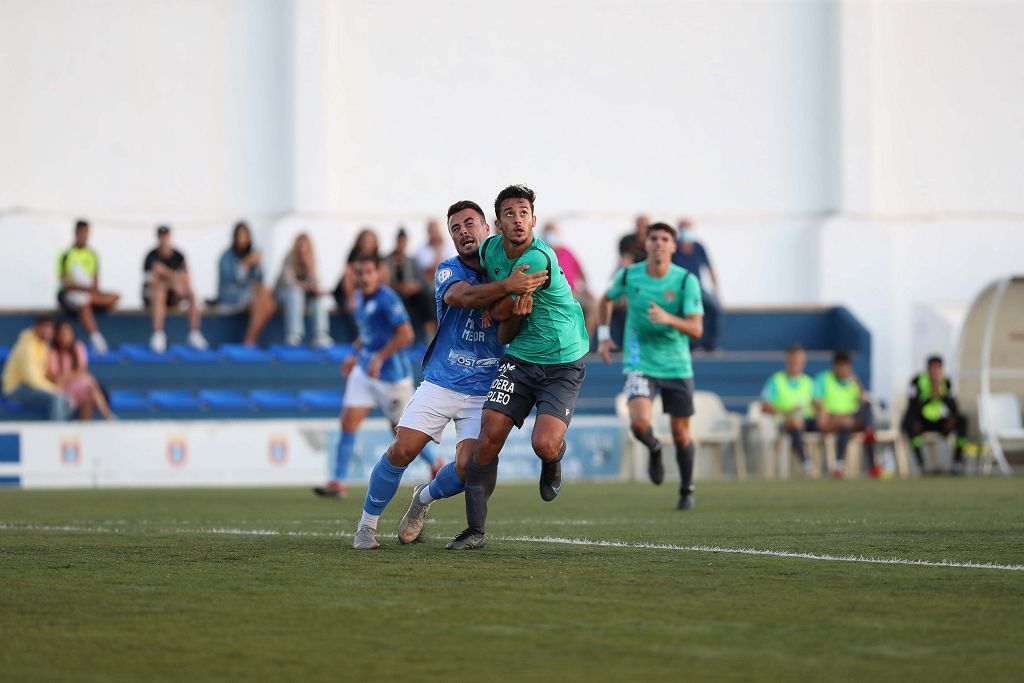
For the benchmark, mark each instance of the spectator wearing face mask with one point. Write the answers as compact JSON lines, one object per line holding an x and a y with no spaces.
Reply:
{"x":691,"y":255}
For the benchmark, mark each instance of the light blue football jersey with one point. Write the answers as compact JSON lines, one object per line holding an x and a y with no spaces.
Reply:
{"x":464,"y":355}
{"x":378,"y":316}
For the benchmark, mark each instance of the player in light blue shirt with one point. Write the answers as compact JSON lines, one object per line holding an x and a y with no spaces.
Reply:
{"x":459,"y":366}
{"x":378,"y":374}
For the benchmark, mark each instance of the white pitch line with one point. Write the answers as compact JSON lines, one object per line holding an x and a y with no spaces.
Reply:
{"x":711,"y":549}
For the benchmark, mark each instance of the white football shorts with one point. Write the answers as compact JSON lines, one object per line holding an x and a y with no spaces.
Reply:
{"x":363,"y":391}
{"x":433,"y":407}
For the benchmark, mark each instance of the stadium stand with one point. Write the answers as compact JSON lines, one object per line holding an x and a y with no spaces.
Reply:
{"x":233,"y":381}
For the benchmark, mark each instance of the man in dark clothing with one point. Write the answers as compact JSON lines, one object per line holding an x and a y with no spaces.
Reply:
{"x":932,"y":408}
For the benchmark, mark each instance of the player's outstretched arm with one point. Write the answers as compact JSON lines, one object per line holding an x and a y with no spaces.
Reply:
{"x":464,"y":295}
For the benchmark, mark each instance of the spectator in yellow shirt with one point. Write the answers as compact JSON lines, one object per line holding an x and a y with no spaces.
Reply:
{"x":24,"y":375}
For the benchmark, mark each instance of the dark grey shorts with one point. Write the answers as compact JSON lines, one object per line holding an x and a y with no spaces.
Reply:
{"x":676,"y":394}
{"x":520,"y":385}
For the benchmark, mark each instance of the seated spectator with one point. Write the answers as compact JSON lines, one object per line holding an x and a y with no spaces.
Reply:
{"x":843,"y":407}
{"x":428,"y":257}
{"x":408,"y":282}
{"x":366,"y":244}
{"x":789,"y":395}
{"x":298,"y":287}
{"x":240,"y":284}
{"x":24,"y":376}
{"x":573,"y":272}
{"x":78,"y":270}
{"x":69,"y":370}
{"x":691,"y":255}
{"x":166,"y":284}
{"x":932,"y":408}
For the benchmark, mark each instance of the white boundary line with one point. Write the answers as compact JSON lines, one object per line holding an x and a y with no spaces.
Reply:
{"x":712,"y":549}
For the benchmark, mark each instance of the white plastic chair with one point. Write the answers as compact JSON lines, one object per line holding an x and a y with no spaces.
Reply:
{"x":1000,"y":423}
{"x":713,"y":426}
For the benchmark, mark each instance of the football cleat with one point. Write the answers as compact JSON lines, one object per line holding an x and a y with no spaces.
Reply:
{"x":467,"y":540}
{"x":550,"y":479}
{"x":655,"y":467}
{"x":332,"y":490}
{"x":411,"y":526}
{"x":366,"y":539}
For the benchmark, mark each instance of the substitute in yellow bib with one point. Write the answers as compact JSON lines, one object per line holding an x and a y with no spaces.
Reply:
{"x":789,"y":395}
{"x":932,"y":408}
{"x":843,"y":407}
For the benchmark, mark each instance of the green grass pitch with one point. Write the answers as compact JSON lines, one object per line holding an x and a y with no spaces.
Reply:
{"x":262,"y":584}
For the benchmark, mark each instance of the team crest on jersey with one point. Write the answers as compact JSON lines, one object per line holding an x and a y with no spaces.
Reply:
{"x":670,"y":295}
{"x":443,"y":275}
{"x":371,"y":307}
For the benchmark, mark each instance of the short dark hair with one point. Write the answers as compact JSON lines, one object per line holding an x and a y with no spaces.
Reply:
{"x":81,"y":224}
{"x":664,"y":227}
{"x":163,"y":229}
{"x":935,"y":359}
{"x":841,"y":357}
{"x":794,"y":348}
{"x":463,"y":205}
{"x":514,"y":192}
{"x":366,"y":258}
{"x":42,"y":319}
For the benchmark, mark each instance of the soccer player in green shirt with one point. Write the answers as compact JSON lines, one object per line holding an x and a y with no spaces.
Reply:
{"x":663,"y":311}
{"x":542,"y":366}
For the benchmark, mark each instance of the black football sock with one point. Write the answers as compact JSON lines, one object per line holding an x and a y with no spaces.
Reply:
{"x":684,"y":458}
{"x":647,"y":438}
{"x":480,"y":481}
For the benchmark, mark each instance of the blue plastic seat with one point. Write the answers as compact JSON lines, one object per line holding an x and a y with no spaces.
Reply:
{"x":295,"y":354}
{"x":20,"y":411}
{"x":128,"y":402}
{"x":274,"y":399}
{"x":111,"y":357}
{"x":172,"y":400}
{"x":239,"y":353}
{"x":140,"y":353}
{"x":4,"y":352}
{"x":321,"y":399}
{"x":225,"y":400}
{"x":186,"y":354}
{"x":337,"y":353}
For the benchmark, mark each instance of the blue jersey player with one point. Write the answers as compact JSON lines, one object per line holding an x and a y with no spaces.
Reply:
{"x":458,"y":369}
{"x":378,"y":373}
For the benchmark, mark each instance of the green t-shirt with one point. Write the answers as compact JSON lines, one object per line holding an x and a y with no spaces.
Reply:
{"x":657,"y":350}
{"x":554,"y":332}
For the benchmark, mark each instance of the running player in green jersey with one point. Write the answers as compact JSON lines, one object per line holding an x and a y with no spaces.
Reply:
{"x":663,"y":310}
{"x":542,"y":366}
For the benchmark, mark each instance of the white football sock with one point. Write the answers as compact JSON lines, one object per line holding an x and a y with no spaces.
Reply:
{"x":368,"y":520}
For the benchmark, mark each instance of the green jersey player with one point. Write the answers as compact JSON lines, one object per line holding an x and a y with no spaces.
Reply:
{"x":663,"y":312}
{"x":542,"y":366}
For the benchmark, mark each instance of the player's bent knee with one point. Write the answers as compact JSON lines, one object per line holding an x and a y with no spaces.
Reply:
{"x":640,"y":426}
{"x":546,"y":448}
{"x":401,"y":454}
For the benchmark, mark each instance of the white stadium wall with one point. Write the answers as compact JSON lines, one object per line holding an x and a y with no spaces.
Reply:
{"x":862,"y":153}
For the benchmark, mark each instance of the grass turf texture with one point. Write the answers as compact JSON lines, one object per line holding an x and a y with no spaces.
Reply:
{"x":161,"y":585}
